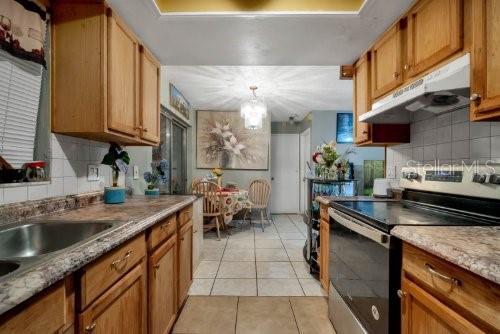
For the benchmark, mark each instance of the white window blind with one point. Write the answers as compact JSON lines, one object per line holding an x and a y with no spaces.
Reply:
{"x":20,"y":83}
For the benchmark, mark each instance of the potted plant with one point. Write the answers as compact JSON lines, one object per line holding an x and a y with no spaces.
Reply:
{"x":218,"y":172}
{"x":118,"y":160}
{"x":329,"y":162}
{"x":158,"y":175}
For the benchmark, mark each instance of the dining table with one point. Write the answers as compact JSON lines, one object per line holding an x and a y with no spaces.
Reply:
{"x":232,"y":202}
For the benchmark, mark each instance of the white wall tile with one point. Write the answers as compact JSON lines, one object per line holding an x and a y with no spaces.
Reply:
{"x":460,"y":131}
{"x":37,"y":192}
{"x":443,"y":120}
{"x":480,"y":148}
{"x":56,"y":187}
{"x":495,"y":147}
{"x":70,"y":168}
{"x":429,"y":152}
{"x":70,"y":185}
{"x":443,"y":134}
{"x":417,"y":154}
{"x":15,"y":194}
{"x":56,"y":167}
{"x":460,"y":149}
{"x":459,"y":116}
{"x":480,"y":130}
{"x":430,"y":137}
{"x":443,"y":151}
{"x":1,"y":195}
{"x":495,"y":129}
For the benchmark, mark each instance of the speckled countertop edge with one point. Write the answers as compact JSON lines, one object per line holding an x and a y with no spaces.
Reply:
{"x":474,"y":248}
{"x":19,"y":287}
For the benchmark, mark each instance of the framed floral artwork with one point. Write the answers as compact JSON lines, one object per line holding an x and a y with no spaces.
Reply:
{"x":222,"y":141}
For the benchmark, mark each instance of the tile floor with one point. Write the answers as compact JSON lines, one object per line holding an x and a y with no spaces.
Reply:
{"x":262,"y":315}
{"x":250,"y":262}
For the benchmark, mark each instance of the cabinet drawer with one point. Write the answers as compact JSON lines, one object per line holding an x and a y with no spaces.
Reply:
{"x":462,"y":290}
{"x":185,"y":215}
{"x":98,"y":276}
{"x":45,"y":314}
{"x":162,"y":231}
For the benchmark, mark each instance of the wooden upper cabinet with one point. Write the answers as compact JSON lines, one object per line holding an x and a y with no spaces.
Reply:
{"x":362,"y":97}
{"x":434,"y":33}
{"x":150,"y":96}
{"x":123,"y":77}
{"x":105,"y":85}
{"x":387,"y":61}
{"x":485,"y":61}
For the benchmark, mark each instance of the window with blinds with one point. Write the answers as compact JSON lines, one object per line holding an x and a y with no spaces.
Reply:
{"x":20,"y":83}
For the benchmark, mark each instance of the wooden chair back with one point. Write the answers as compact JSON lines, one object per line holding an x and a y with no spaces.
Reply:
{"x":259,"y":192}
{"x":194,"y":182}
{"x":211,"y":197}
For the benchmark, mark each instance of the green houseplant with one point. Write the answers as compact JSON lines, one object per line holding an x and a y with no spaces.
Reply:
{"x":118,"y":160}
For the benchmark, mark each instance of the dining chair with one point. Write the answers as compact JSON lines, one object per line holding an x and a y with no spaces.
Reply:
{"x":212,"y":208}
{"x":258,"y":197}
{"x":194,"y":182}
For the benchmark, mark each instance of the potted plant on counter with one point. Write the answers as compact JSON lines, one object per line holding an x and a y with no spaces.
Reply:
{"x":158,"y":175}
{"x":118,"y":160}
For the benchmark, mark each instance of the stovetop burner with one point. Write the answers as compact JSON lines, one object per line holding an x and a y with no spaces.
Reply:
{"x":386,"y":215}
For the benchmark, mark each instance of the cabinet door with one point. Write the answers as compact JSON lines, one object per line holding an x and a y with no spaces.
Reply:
{"x":324,"y":235}
{"x":485,"y":62}
{"x":162,"y":287}
{"x":150,"y":97}
{"x":362,"y":98}
{"x":185,"y":261}
{"x":197,"y":232}
{"x":422,"y":313}
{"x":121,"y":309}
{"x":123,"y":78}
{"x":435,"y":30}
{"x":386,"y":63}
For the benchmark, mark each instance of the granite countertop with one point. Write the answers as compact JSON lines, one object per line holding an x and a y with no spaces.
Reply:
{"x":475,"y":248}
{"x":135,"y":215}
{"x":326,"y":200}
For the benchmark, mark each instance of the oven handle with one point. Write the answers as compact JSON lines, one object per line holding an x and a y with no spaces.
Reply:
{"x":360,"y":228}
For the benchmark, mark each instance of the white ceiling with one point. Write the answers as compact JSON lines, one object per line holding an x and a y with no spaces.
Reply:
{"x":287,"y":89}
{"x":289,"y":39}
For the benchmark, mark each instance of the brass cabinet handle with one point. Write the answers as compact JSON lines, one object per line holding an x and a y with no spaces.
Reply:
{"x":90,"y":328}
{"x":436,"y":273}
{"x":395,"y":75}
{"x":407,"y":66}
{"x":162,"y":226}
{"x":475,"y":97}
{"x":401,"y":294}
{"x":115,"y":263}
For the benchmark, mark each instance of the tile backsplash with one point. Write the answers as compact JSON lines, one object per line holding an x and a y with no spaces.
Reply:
{"x":445,"y":139}
{"x":69,"y":160}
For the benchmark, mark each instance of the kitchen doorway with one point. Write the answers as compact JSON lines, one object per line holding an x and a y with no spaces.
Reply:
{"x":285,"y":173}
{"x":305,"y":162}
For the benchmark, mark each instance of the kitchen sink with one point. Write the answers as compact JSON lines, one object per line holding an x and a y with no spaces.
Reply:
{"x":35,"y":239}
{"x":7,"y":267}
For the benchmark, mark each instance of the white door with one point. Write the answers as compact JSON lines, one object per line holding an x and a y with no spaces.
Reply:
{"x":285,"y":173}
{"x":305,"y":157}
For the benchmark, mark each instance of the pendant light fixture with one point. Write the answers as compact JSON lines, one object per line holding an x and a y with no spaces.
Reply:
{"x":253,"y":110}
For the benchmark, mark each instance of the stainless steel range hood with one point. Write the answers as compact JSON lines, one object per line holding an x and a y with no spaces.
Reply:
{"x":441,"y":91}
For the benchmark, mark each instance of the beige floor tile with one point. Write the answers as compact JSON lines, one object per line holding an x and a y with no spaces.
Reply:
{"x":311,"y":314}
{"x":271,"y":255}
{"x":296,"y":218}
{"x":301,"y":269}
{"x":294,"y":243}
{"x":206,"y":269}
{"x":280,"y":219}
{"x":279,"y":287}
{"x":239,"y":255}
{"x":269,"y":244}
{"x":268,"y":228}
{"x":267,"y":235}
{"x":312,"y":287}
{"x":240,"y":243}
{"x":292,"y":235}
{"x":235,"y":287}
{"x":214,"y":243}
{"x":275,"y":270}
{"x":237,"y":270}
{"x":207,"y":315}
{"x":295,"y":254}
{"x":212,"y":254}
{"x":265,"y":315}
{"x":201,"y":287}
{"x":287,"y":229}
{"x":236,"y":233}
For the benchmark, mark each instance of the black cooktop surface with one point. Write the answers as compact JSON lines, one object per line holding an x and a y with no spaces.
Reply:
{"x":385,"y":215}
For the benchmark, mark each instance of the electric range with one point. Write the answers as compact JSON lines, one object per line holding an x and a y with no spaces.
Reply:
{"x":365,"y":260}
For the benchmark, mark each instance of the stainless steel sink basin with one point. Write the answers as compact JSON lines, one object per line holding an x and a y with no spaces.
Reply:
{"x":37,"y":239}
{"x":7,"y":267}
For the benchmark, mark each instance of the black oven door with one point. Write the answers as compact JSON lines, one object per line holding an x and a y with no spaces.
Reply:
{"x":360,"y":271}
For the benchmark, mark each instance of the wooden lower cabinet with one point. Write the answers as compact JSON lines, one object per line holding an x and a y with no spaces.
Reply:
{"x":422,"y":313}
{"x":185,"y":266}
{"x":324,"y":242}
{"x":162,"y":301}
{"x":121,"y":309}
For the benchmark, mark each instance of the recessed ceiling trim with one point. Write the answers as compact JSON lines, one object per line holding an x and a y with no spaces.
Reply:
{"x":152,"y":5}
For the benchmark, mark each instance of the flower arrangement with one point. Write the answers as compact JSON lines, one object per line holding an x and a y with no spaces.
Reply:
{"x":158,"y":175}
{"x":118,"y":160}
{"x":218,"y":172}
{"x":328,"y":160}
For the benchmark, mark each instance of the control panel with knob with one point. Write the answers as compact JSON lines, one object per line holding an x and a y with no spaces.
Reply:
{"x":411,"y":175}
{"x":479,"y":178}
{"x":494,"y":179}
